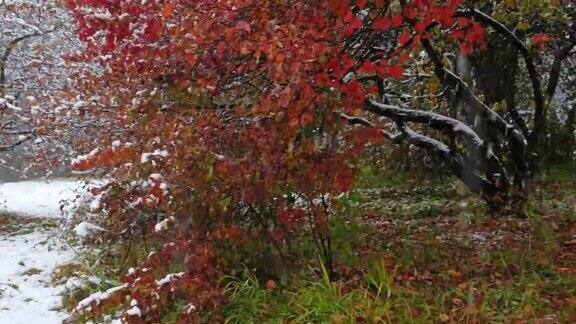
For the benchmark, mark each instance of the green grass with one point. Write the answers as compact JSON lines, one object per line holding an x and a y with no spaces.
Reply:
{"x":439,"y":258}
{"x":249,"y":300}
{"x":309,"y":301}
{"x":377,"y":300}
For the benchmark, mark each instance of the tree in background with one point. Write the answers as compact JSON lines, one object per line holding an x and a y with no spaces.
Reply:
{"x":33,"y":38}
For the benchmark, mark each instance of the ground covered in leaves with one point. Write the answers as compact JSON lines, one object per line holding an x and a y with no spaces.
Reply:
{"x":429,"y":253}
{"x":441,"y":248}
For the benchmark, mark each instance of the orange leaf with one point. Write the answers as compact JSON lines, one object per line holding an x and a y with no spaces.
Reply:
{"x":168,"y":10}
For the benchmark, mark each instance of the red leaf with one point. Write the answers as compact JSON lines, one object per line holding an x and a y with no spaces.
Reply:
{"x":397,"y":21}
{"x":307,"y":119}
{"x":382,"y":24}
{"x":352,"y":26}
{"x":396,"y":72}
{"x":168,"y":10}
{"x":368,"y":68}
{"x":463,"y":21}
{"x":379,"y":4}
{"x":152,"y":30}
{"x":403,"y":38}
{"x":541,"y":39}
{"x":242,"y":26}
{"x":466,"y":48}
{"x":343,"y":180}
{"x":444,"y":16}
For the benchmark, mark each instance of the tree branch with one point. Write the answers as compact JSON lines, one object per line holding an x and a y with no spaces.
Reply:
{"x":555,"y":70}
{"x":519,"y":44}
{"x":435,"y":120}
{"x":539,"y":123}
{"x":517,"y":141}
{"x":15,"y":144}
{"x":7,"y":53}
{"x":456,"y":163}
{"x":453,"y":81}
{"x":394,"y":138}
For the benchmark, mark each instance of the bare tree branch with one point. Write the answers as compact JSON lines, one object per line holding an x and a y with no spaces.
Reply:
{"x":434,"y":120}
{"x":7,"y":52}
{"x":17,"y":143}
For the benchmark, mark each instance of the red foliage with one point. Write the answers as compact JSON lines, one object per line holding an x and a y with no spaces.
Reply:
{"x":541,"y":40}
{"x":281,"y":70}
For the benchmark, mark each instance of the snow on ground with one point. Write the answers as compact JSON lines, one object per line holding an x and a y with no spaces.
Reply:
{"x":26,"y":293}
{"x":40,"y":198}
{"x":29,"y":253}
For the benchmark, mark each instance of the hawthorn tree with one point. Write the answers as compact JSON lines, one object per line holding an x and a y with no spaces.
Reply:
{"x":238,"y":122}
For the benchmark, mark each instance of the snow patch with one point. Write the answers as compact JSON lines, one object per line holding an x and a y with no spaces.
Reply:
{"x":134,"y":311}
{"x":168,"y":278}
{"x":157,"y":153}
{"x":26,"y":293}
{"x":41,"y":198}
{"x":105,"y":15}
{"x":162,"y":226}
{"x":86,"y":229}
{"x":98,"y":297}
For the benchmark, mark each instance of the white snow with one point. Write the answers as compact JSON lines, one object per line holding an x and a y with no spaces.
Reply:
{"x":168,"y":278}
{"x":29,"y":257}
{"x":106,"y":15}
{"x":189,"y":308}
{"x":157,"y":153}
{"x":85,"y":229}
{"x":96,"y":203}
{"x":134,"y":311}
{"x":156,"y":176}
{"x":40,"y":198}
{"x":74,"y":283}
{"x":85,"y":157}
{"x":98,"y":297}
{"x":162,"y":226}
{"x":10,"y":106}
{"x":29,"y":298}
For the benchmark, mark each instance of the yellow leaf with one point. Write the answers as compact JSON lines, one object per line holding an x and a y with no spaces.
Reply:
{"x":245,"y":51}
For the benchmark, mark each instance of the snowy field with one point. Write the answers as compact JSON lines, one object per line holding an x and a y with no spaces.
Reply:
{"x":40,"y":198}
{"x":29,"y":255}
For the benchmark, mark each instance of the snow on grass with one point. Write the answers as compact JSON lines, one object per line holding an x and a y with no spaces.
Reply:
{"x":28,"y":260}
{"x":29,"y":255}
{"x":40,"y":198}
